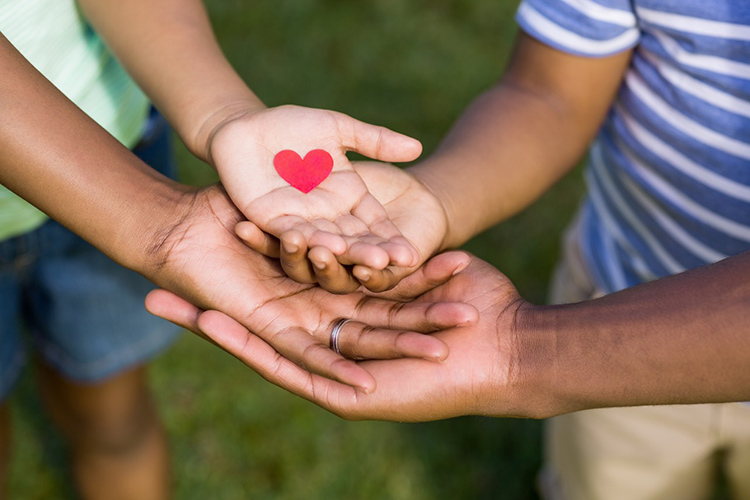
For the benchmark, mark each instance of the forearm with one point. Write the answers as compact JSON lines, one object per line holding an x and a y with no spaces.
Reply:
{"x":682,"y":339}
{"x":507,"y":149}
{"x":520,"y":137}
{"x":61,"y":161}
{"x":169,"y":48}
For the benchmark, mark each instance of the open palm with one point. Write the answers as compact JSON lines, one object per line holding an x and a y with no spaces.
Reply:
{"x":410,"y":206}
{"x":479,"y":377}
{"x":339,"y":214}
{"x":203,"y":262}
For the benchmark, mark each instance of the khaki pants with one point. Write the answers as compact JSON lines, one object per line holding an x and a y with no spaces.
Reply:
{"x":640,"y":453}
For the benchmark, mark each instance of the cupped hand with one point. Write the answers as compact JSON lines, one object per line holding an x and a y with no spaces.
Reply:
{"x":410,"y":206}
{"x":339,"y":214}
{"x":201,"y":260}
{"x":481,"y":376}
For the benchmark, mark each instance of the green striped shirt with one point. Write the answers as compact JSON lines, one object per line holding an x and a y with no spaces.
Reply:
{"x":57,"y":40}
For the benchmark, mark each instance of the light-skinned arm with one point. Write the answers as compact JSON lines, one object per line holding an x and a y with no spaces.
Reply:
{"x":519,"y":137}
{"x":168,"y":46}
{"x":508,"y":147}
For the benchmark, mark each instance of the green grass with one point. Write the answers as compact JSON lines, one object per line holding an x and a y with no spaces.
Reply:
{"x":411,"y":65}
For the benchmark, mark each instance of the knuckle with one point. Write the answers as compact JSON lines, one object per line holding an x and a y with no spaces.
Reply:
{"x":394,"y":311}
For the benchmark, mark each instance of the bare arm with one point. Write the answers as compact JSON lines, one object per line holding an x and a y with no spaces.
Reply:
{"x":61,"y":161}
{"x":181,"y":238}
{"x":519,"y":137}
{"x":169,"y":48}
{"x":509,"y":146}
{"x":682,"y":339}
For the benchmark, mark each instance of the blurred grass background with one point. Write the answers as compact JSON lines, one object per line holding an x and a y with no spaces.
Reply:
{"x":411,"y":65}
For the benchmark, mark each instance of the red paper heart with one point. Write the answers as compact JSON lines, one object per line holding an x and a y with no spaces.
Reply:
{"x":303,"y":174}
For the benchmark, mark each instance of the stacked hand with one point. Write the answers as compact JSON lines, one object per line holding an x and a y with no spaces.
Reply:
{"x":339,"y":216}
{"x":203,"y":261}
{"x":478,"y":377}
{"x":410,"y":206}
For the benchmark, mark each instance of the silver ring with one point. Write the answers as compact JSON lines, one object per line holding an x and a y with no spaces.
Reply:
{"x":335,"y":334}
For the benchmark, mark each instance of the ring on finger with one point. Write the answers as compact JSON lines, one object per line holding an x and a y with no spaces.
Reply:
{"x":335,"y":333}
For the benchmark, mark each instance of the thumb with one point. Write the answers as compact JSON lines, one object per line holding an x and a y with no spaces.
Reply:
{"x":377,"y":142}
{"x":432,"y":274}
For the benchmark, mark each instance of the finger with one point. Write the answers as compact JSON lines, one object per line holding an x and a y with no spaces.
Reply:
{"x":173,"y":308}
{"x":377,"y":142}
{"x":330,"y":237}
{"x":169,"y":306}
{"x":348,"y":224}
{"x":360,"y":341}
{"x":401,"y":252}
{"x":294,"y":344}
{"x":293,"y":254}
{"x":266,"y":361}
{"x":364,"y":253}
{"x":257,"y":239}
{"x":423,"y":317}
{"x":433,"y":273}
{"x":329,"y":273}
{"x":317,"y":233}
{"x":300,"y":347}
{"x":380,"y":280}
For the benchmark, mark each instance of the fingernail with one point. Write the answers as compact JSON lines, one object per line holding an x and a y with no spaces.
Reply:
{"x":460,"y":268}
{"x":364,"y":276}
{"x":366,"y":390}
{"x":290,"y":247}
{"x":319,"y":265}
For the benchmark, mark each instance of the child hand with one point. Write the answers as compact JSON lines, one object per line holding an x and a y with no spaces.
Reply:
{"x":201,"y":260}
{"x":251,"y":152}
{"x":414,"y":210}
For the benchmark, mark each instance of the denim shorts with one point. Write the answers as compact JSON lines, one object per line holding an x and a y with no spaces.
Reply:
{"x":83,"y":313}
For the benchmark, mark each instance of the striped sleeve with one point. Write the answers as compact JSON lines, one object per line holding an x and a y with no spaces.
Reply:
{"x":582,"y":27}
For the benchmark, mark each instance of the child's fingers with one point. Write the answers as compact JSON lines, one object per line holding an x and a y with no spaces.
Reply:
{"x":319,"y":232}
{"x":401,"y":252}
{"x":331,"y":240}
{"x":380,"y":280}
{"x":293,"y":255}
{"x":330,"y":274}
{"x":363,"y":252}
{"x":257,"y":240}
{"x":377,"y":142}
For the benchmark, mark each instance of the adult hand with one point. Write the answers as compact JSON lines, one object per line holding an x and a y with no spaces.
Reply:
{"x":414,"y":210}
{"x":480,"y":376}
{"x":339,"y":214}
{"x":203,"y":261}
{"x":184,"y":240}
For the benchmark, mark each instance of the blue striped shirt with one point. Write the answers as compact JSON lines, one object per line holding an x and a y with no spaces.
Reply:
{"x":669,"y":172}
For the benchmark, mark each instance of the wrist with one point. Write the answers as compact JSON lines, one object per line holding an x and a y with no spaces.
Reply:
{"x":532,"y":386}
{"x":139,"y":242}
{"x":441,"y":199}
{"x":202,"y":140}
